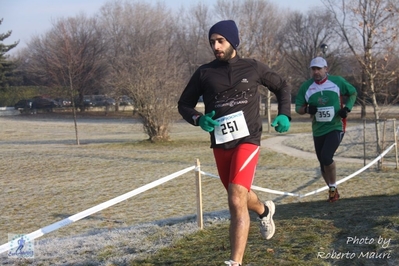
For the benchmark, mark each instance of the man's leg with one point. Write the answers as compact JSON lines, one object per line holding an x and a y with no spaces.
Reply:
{"x":330,"y":174}
{"x":265,"y":211}
{"x":331,"y":143}
{"x":254,"y":204}
{"x":240,"y":220}
{"x":236,"y":168}
{"x":318,"y":146}
{"x":240,"y":201}
{"x":241,"y":198}
{"x":236,"y":196}
{"x":325,"y":147}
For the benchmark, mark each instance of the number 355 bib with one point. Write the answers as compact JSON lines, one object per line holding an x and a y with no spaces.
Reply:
{"x":232,"y":126}
{"x":325,"y":114}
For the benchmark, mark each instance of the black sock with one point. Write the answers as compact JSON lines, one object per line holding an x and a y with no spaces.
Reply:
{"x":265,"y":213}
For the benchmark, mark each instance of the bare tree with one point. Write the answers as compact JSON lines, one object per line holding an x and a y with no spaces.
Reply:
{"x":259,"y":23}
{"x":227,"y":9}
{"x":260,"y":29}
{"x":70,"y":55}
{"x":301,"y":38}
{"x":192,"y":37}
{"x":370,"y":29}
{"x":145,"y":61}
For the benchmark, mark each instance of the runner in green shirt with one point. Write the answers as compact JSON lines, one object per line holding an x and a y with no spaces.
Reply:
{"x":323,"y":97}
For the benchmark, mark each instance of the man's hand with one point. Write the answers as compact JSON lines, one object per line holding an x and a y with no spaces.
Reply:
{"x":311,"y":109}
{"x":343,"y":112}
{"x":281,"y":123}
{"x":207,"y":123}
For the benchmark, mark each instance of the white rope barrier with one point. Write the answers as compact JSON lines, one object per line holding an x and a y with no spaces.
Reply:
{"x":275,"y":191}
{"x":260,"y":188}
{"x":354,"y":174}
{"x":45,"y":230}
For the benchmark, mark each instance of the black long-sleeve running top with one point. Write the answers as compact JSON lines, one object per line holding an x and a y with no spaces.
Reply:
{"x":231,"y":89}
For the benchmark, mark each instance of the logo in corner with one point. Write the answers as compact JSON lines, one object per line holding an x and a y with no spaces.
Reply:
{"x":20,"y":246}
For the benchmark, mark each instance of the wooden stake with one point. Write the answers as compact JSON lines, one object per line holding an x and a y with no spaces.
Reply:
{"x":200,"y":220}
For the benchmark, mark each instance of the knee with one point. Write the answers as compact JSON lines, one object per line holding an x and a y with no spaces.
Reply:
{"x":237,"y":197}
{"x":326,"y":160}
{"x":235,"y":201}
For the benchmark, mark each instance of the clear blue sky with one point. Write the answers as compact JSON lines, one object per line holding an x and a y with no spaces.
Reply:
{"x":27,"y":18}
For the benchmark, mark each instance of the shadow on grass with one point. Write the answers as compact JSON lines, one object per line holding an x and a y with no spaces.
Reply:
{"x":353,"y":231}
{"x":300,"y":188}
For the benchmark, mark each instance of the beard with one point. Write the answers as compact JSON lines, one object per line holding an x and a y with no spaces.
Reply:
{"x":319,"y":77}
{"x":226,"y":55}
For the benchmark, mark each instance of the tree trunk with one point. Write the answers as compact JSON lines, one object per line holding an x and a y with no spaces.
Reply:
{"x":73,"y":110}
{"x":364,"y":96}
{"x":377,"y":121}
{"x":269,"y":111}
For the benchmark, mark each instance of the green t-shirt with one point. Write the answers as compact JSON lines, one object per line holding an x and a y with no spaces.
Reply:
{"x":328,"y":97}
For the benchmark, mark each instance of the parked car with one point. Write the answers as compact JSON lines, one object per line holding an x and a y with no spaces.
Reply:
{"x":125,"y":101}
{"x":63,"y":102}
{"x":40,"y":102}
{"x":102,"y":100}
{"x":23,"y":104}
{"x":36,"y":103}
{"x":109,"y":101}
{"x":87,"y":101}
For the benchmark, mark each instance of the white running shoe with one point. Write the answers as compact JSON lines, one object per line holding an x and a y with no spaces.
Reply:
{"x":232,"y":263}
{"x":267,"y":227}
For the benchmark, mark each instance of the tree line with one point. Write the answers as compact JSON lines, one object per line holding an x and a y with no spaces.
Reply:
{"x":149,"y":52}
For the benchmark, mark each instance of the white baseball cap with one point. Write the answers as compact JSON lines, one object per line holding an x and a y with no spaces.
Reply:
{"x":318,"y":62}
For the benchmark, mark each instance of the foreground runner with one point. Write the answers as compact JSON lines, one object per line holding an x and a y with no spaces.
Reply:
{"x":230,"y":89}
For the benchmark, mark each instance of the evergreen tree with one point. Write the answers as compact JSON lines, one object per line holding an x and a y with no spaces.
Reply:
{"x":6,"y":65}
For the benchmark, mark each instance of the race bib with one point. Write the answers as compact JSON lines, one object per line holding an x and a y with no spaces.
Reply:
{"x":232,"y":126}
{"x":325,"y":114}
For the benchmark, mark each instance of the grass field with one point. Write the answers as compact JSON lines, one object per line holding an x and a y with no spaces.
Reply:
{"x":45,"y":178}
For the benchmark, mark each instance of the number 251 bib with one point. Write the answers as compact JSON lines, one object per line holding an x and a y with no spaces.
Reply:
{"x":232,"y":126}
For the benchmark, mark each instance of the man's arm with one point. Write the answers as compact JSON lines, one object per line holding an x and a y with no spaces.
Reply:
{"x":351,"y":92}
{"x":301,"y":110}
{"x":300,"y":101}
{"x":189,"y":99}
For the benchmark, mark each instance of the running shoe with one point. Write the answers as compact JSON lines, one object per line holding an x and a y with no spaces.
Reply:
{"x":232,"y":263}
{"x":267,"y":227}
{"x":333,"y":194}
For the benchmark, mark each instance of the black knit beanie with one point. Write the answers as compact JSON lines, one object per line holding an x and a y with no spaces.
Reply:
{"x":228,"y":29}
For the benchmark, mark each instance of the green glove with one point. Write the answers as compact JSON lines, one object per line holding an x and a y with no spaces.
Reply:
{"x":207,"y":123}
{"x":281,"y":123}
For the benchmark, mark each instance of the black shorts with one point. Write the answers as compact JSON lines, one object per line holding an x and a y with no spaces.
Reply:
{"x":327,"y":145}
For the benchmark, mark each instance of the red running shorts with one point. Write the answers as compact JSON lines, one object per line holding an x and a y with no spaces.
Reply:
{"x":237,"y":165}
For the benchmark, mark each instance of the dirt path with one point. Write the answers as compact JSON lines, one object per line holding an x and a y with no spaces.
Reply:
{"x":277,"y":144}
